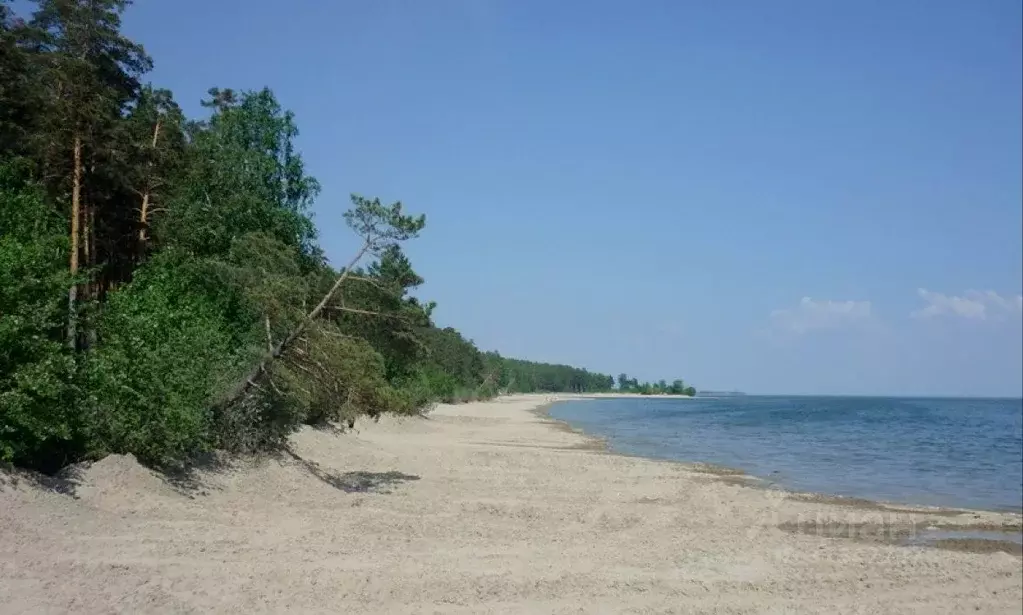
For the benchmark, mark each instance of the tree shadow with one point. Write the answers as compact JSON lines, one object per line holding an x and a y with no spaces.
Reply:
{"x":64,"y":483}
{"x":354,"y":482}
{"x":188,"y":479}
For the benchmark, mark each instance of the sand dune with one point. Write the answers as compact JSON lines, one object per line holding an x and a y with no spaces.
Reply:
{"x":479,"y":508}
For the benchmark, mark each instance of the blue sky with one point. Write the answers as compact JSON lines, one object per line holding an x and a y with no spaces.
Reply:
{"x":777,"y":197}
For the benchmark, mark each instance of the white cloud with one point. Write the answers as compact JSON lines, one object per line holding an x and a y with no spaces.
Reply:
{"x":975,"y":305}
{"x":812,"y":315}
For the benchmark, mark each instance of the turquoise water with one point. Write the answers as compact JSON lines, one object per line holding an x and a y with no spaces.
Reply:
{"x":939,"y":452}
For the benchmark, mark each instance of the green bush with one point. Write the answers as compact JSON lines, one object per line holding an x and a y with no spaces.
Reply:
{"x":487,"y":390}
{"x":164,"y":352}
{"x":38,"y":398}
{"x":416,"y":393}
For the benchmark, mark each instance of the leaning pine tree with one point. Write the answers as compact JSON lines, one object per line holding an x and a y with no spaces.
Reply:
{"x":315,"y":372}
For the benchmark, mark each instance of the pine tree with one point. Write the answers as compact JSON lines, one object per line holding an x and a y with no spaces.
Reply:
{"x":157,"y":143}
{"x":89,"y":75}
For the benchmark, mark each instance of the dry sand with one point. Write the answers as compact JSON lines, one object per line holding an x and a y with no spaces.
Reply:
{"x":479,"y":508}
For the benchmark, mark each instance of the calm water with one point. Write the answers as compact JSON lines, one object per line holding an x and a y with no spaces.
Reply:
{"x":942,"y":452}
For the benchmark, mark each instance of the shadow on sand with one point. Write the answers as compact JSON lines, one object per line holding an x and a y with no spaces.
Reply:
{"x":189,"y":481}
{"x":64,"y":483}
{"x":354,"y":482}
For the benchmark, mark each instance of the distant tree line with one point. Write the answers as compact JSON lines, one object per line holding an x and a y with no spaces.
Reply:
{"x":518,"y":376}
{"x":661,"y":387}
{"x":162,"y":292}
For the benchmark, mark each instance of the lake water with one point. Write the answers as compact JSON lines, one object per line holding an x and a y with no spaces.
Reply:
{"x":939,"y":452}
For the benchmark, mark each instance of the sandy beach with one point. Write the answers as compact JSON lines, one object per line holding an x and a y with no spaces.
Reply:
{"x":487,"y":507}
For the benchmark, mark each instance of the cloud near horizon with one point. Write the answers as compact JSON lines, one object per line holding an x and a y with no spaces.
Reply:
{"x":812,"y":315}
{"x":974,"y":305}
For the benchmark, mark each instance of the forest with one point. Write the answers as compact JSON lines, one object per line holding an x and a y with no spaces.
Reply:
{"x":162,"y":292}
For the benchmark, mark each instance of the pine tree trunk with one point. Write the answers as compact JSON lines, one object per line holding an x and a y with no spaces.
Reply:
{"x":144,"y":216}
{"x":92,"y":286}
{"x":76,"y":196}
{"x":86,"y":241}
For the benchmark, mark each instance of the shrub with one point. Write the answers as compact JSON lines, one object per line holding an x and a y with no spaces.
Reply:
{"x":415,"y":393}
{"x":37,"y":394}
{"x":163,"y":354}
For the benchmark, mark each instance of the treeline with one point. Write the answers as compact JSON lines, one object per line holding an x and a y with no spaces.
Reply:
{"x":162,"y":291}
{"x":661,"y":387}
{"x":514,"y":375}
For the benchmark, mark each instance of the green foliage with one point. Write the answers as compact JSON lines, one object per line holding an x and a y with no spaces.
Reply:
{"x":382,"y":226}
{"x":242,"y":175}
{"x":661,"y":387}
{"x":264,"y":276}
{"x":156,"y":142}
{"x":454,"y":362}
{"x":520,"y":376}
{"x":19,"y":92}
{"x":387,"y":316}
{"x":37,"y":392}
{"x":86,"y":76}
{"x":336,"y":378}
{"x":164,"y":355}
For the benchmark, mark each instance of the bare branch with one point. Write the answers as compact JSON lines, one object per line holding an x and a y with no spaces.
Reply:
{"x":303,"y":368}
{"x":339,"y":334}
{"x":273,"y":386}
{"x":373,"y":282}
{"x":338,"y":308}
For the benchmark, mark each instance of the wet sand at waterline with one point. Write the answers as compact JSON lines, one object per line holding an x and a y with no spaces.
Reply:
{"x":480,"y":508}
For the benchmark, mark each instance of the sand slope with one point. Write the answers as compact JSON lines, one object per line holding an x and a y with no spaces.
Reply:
{"x":481,"y":508}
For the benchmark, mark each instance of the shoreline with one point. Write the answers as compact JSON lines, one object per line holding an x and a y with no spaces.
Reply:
{"x":481,"y":507}
{"x":742,"y":477}
{"x":974,"y":536}
{"x":984,"y":536}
